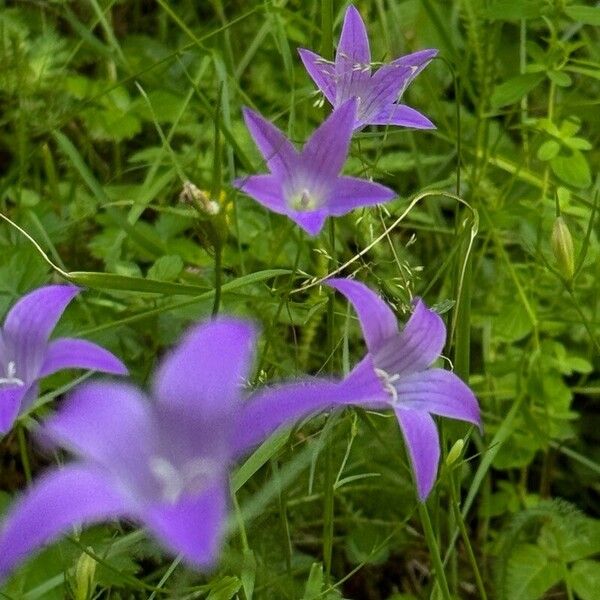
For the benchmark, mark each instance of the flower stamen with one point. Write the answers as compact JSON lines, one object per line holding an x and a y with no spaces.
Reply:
{"x":11,"y":378}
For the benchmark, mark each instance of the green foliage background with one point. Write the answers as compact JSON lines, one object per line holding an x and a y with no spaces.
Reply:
{"x":109,"y":107}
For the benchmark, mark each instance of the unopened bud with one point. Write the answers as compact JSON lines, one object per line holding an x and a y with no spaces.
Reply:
{"x":85,"y":571}
{"x":562,"y":246}
{"x":455,"y":452}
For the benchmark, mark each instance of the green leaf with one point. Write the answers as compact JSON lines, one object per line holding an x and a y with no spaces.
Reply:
{"x":588,"y":15}
{"x":577,"y":143}
{"x":559,"y":78}
{"x":572,"y":169}
{"x":166,"y":268}
{"x":513,"y":10}
{"x":112,"y":281}
{"x":548,"y":150}
{"x":530,"y":573}
{"x":225,"y":589}
{"x":585,"y":579}
{"x":514,"y":89}
{"x":314,"y":584}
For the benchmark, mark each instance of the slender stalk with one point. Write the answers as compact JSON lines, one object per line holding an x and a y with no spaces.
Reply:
{"x":434,"y":551}
{"x":218,"y":278}
{"x":328,"y":504}
{"x":467,"y":542}
{"x":24,"y":454}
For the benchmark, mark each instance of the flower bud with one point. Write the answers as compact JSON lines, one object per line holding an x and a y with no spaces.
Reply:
{"x":562,"y":247}
{"x":455,"y":452}
{"x":85,"y":571}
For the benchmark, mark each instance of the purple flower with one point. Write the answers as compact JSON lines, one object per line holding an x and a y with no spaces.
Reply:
{"x":307,"y":186}
{"x":164,"y":462}
{"x":26,"y":355}
{"x":349,"y":76}
{"x":396,"y":373}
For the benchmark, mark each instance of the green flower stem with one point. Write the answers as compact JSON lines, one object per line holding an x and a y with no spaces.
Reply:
{"x":24,"y":454}
{"x":434,"y":551}
{"x":466,"y":541}
{"x":218,"y":278}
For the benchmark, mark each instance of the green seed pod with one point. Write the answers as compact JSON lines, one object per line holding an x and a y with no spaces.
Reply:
{"x":455,"y":452}
{"x":562,"y":246}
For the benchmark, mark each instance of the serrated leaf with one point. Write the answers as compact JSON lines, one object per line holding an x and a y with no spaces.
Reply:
{"x":585,"y":579}
{"x":166,"y":268}
{"x":529,"y":574}
{"x":514,"y":89}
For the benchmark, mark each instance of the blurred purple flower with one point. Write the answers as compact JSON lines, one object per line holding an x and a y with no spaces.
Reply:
{"x":396,"y":373}
{"x":162,"y":463}
{"x":307,"y":186}
{"x":26,"y":355}
{"x":350,"y":76}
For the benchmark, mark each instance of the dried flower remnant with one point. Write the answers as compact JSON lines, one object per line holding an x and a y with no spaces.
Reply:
{"x":350,"y":76}
{"x":27,"y":355}
{"x":307,"y":185}
{"x":164,"y":462}
{"x":396,"y":373}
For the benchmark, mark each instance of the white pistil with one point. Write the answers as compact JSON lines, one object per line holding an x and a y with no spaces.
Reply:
{"x":175,"y":482}
{"x":304,"y":201}
{"x":388,"y":380}
{"x":11,"y":379}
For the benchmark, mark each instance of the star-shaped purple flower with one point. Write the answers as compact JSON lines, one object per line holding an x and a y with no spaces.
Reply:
{"x":396,"y":373}
{"x":162,"y":462}
{"x":350,"y":76}
{"x":307,"y":186}
{"x":26,"y":355}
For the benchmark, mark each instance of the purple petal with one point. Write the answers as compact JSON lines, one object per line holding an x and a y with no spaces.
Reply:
{"x":385,"y":87}
{"x":423,"y":446}
{"x":419,"y":344}
{"x":376,"y":318}
{"x":402,"y":115}
{"x":353,"y":58}
{"x":270,"y":408}
{"x":73,"y":496}
{"x":110,"y":423}
{"x":207,"y":370}
{"x":29,"y":324}
{"x":265,"y":189}
{"x":321,"y":71}
{"x":70,"y":353}
{"x":416,"y":61}
{"x":362,"y":387}
{"x":11,"y":399}
{"x":311,"y":222}
{"x":193,"y":527}
{"x":439,"y":392}
{"x":3,"y":351}
{"x":351,"y":192}
{"x":277,"y":150}
{"x":354,"y":43}
{"x":326,"y":151}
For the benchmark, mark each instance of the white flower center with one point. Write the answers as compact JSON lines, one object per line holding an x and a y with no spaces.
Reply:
{"x":304,"y":201}
{"x":388,"y":384}
{"x":11,"y":378}
{"x":191,"y":478}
